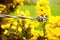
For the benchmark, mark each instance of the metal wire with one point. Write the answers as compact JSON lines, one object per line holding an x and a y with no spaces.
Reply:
{"x":23,"y":17}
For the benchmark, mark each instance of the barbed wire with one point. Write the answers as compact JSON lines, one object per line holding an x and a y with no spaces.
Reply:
{"x":23,"y":17}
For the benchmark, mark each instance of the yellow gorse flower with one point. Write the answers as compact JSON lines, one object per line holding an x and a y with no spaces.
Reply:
{"x":19,"y":29}
{"x":53,"y":21}
{"x":15,"y":23}
{"x":58,"y":20}
{"x":13,"y":27}
{"x":53,"y":27}
{"x":20,"y":1}
{"x":7,"y":25}
{"x":3,"y":7}
{"x":4,"y":26}
{"x":27,"y":13}
{"x":52,"y":33}
{"x":5,"y":32}
{"x":43,"y":8}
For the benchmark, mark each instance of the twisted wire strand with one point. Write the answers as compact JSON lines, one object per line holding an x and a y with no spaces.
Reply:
{"x":24,"y":17}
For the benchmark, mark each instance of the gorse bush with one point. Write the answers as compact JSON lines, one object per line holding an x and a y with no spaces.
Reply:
{"x":25,"y":29}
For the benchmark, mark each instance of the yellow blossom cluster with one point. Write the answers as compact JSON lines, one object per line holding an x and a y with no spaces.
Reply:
{"x":11,"y":25}
{"x":3,"y":7}
{"x":53,"y":21}
{"x":52,"y":28}
{"x":15,"y":3}
{"x":43,"y":8}
{"x":53,"y":25}
{"x":19,"y":1}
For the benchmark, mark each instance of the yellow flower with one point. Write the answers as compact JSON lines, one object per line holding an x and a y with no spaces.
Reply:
{"x":52,"y":31}
{"x":22,"y":3}
{"x":37,"y":32}
{"x":13,"y":27}
{"x":28,"y":21}
{"x":26,"y":25}
{"x":20,"y":13}
{"x":27,"y":13}
{"x":42,"y":8}
{"x":24,"y":38}
{"x":34,"y":24}
{"x":32,"y":31}
{"x":41,"y":33}
{"x":15,"y":23}
{"x":20,"y":21}
{"x":58,"y":20}
{"x":37,"y":24}
{"x":52,"y":20}
{"x":3,"y":26}
{"x":19,"y":1}
{"x":7,"y":25}
{"x":19,"y":29}
{"x":2,"y":8}
{"x":5,"y":32}
{"x":0,"y":11}
{"x":56,"y":31}
{"x":51,"y":37}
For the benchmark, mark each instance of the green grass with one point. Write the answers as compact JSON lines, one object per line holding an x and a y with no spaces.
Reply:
{"x":31,"y":8}
{"x":55,"y":9}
